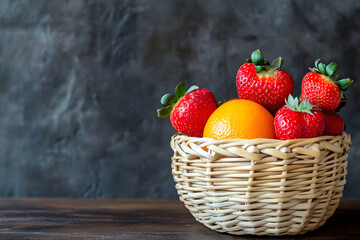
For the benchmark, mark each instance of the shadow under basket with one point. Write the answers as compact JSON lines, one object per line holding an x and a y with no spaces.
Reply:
{"x":260,"y":186}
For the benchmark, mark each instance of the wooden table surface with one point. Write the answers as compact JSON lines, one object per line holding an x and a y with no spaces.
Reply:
{"x":35,"y":218}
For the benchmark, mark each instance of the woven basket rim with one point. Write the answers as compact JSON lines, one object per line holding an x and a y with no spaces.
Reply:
{"x":262,"y":140}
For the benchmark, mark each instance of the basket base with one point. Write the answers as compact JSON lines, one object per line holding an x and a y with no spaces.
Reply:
{"x":265,"y":226}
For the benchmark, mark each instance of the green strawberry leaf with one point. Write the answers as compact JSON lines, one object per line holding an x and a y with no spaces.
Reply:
{"x":296,"y":101}
{"x":192,"y":88}
{"x":331,"y":69}
{"x":305,"y":106}
{"x":293,"y":103}
{"x":307,"y":111}
{"x":168,"y":99}
{"x":257,"y":58}
{"x":315,"y":70}
{"x":278,"y":62}
{"x":321,"y":68}
{"x":344,"y":84}
{"x":258,"y":68}
{"x":317,"y":62}
{"x":164,"y":112}
{"x":289,"y":102}
{"x":180,"y":89}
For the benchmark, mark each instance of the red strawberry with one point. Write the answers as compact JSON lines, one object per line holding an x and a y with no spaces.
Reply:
{"x":321,"y":89}
{"x":296,"y":120}
{"x":188,"y":110}
{"x":263,"y":83}
{"x":334,"y":124}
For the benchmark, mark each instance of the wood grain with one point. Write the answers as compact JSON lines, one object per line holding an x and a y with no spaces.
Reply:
{"x":137,"y":219}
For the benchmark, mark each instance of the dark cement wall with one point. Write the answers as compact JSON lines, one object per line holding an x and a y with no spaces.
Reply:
{"x":80,"y":82}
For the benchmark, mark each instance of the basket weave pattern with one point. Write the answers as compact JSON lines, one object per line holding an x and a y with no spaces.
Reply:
{"x":260,"y":186}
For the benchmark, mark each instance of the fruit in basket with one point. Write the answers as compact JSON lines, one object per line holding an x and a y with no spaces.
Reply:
{"x":334,"y":124}
{"x":266,"y":84}
{"x":240,"y":119}
{"x":321,"y":88}
{"x":188,"y":110}
{"x":298,"y":120}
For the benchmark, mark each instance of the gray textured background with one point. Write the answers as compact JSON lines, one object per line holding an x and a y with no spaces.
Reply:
{"x":80,"y":82}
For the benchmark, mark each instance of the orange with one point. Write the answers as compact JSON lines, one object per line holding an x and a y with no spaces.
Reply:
{"x":240,"y":119}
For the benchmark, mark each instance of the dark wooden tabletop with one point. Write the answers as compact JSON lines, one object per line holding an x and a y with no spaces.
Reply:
{"x":137,"y":219}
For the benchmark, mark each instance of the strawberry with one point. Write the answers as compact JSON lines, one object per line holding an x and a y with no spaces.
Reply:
{"x":321,"y":88}
{"x":266,"y":84}
{"x":296,"y":120}
{"x":334,"y":124}
{"x":189,"y":110}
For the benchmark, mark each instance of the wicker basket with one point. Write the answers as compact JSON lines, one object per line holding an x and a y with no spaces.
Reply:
{"x":260,"y":186}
